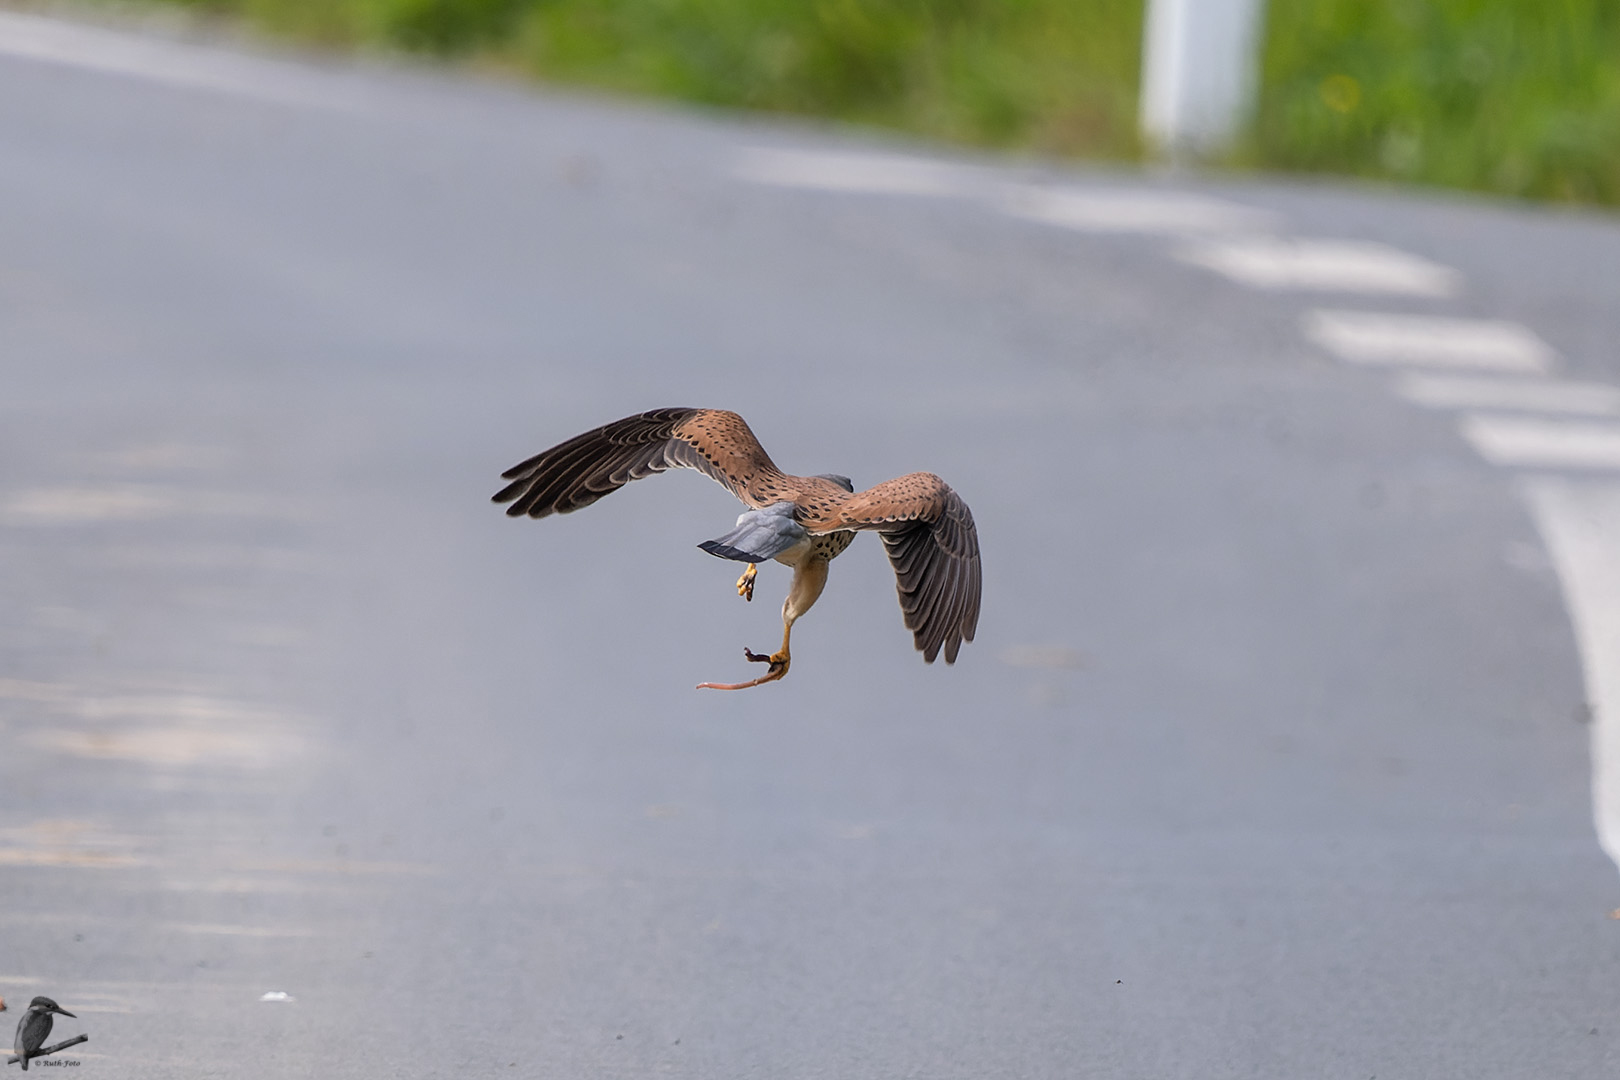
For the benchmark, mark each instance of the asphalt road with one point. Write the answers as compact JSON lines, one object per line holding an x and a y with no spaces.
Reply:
{"x":1271,"y":758}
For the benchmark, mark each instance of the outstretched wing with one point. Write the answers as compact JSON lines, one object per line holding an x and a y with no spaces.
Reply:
{"x":928,"y":532}
{"x":585,"y":468}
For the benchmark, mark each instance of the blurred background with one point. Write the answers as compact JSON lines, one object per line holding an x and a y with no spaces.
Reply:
{"x":1288,"y":743}
{"x":1517,"y":97}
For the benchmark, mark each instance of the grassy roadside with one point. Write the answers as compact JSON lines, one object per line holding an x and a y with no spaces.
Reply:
{"x":1058,"y":76}
{"x":1519,"y":97}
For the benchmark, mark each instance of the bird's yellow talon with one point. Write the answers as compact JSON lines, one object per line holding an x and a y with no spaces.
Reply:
{"x":776,"y":659}
{"x":745,"y":584}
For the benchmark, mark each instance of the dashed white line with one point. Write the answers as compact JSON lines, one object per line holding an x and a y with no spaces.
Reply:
{"x":1277,"y":263}
{"x":871,"y":174}
{"x":1544,"y":444}
{"x":1365,"y":337}
{"x":173,"y":63}
{"x":1580,"y":523}
{"x":1122,"y":210}
{"x":1097,"y":210}
{"x":1511,"y":394}
{"x":133,"y":502}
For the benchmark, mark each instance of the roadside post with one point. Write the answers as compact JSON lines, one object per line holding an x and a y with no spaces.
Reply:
{"x":1200,"y":68}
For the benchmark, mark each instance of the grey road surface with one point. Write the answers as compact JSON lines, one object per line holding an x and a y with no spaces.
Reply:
{"x":1270,"y":760}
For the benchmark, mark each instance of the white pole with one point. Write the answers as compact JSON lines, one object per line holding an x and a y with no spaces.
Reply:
{"x":1200,"y":66}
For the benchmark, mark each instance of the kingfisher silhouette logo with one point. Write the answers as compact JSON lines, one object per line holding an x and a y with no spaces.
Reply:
{"x":32,"y":1031}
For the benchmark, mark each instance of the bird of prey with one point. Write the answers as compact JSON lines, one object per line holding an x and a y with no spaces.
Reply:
{"x":35,"y":1027}
{"x":801,"y":521}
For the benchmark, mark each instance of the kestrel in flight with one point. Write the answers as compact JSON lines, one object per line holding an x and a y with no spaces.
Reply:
{"x":800,"y":521}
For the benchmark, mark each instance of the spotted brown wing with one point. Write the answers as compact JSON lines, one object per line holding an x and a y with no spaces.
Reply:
{"x":933,"y":546}
{"x":578,"y":472}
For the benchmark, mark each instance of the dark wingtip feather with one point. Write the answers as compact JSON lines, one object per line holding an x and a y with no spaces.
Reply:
{"x":509,"y":492}
{"x":581,"y":470}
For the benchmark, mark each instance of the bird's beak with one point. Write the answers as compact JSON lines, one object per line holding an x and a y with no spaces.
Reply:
{"x":64,"y":1012}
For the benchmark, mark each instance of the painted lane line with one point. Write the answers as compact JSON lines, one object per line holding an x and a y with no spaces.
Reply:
{"x":172,"y":63}
{"x":1544,"y":444}
{"x":1123,"y":210}
{"x":1100,"y":210}
{"x":1580,"y":524}
{"x":1274,"y":263}
{"x":1509,"y":394}
{"x":74,"y":505}
{"x":863,"y":174}
{"x":1365,"y":337}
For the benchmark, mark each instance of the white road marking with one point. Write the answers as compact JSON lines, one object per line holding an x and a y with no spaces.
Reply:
{"x":1264,"y":262}
{"x":174,"y":63}
{"x":1544,"y":444}
{"x":173,"y":746}
{"x":870,"y":174}
{"x":1580,"y":523}
{"x":93,"y":860}
{"x":1365,"y":337}
{"x":234,"y":930}
{"x":133,"y":502}
{"x":1101,"y":210}
{"x":1520,"y":395}
{"x":1123,"y":210}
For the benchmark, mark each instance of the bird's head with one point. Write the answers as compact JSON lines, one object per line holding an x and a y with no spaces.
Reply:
{"x":45,"y":1004}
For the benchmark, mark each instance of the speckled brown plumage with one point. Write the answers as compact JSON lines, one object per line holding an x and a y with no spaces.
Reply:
{"x":926,"y":528}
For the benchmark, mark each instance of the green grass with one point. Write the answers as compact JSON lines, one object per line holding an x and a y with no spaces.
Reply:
{"x":1058,"y":76}
{"x":1520,"y":97}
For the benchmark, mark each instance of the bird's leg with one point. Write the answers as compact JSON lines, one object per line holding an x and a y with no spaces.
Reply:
{"x":780,"y":657}
{"x":779,"y":661}
{"x":745,"y":584}
{"x":809,"y":577}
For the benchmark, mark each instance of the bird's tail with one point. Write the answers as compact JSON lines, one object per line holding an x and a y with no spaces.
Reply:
{"x":760,"y":535}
